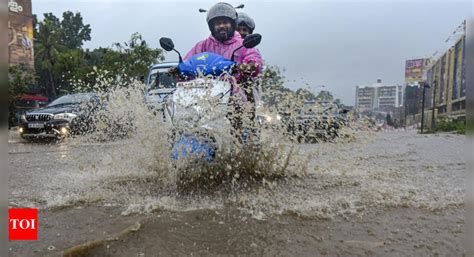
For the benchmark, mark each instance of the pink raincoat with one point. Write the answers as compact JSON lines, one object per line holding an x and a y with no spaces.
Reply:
{"x":225,"y":49}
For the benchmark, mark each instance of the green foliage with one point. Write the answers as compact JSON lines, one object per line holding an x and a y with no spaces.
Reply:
{"x":272,"y":82}
{"x":305,"y":94}
{"x":73,"y":32}
{"x":62,"y":64}
{"x":57,"y":50}
{"x":324,"y":95}
{"x":20,"y":78}
{"x":132,"y":58}
{"x":120,"y":64}
{"x":451,"y":125}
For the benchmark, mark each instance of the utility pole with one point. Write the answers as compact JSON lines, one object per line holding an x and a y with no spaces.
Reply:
{"x":433,"y":123}
{"x":425,"y":86}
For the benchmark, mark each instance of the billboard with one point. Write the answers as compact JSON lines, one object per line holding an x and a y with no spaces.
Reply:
{"x":459,"y":84}
{"x":414,"y":70}
{"x":20,"y":32}
{"x":442,"y":82}
{"x":463,"y":69}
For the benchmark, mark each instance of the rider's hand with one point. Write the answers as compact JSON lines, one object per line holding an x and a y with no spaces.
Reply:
{"x":247,"y":68}
{"x":174,"y":71}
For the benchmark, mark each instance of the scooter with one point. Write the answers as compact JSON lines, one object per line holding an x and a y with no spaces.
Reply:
{"x":198,"y":106}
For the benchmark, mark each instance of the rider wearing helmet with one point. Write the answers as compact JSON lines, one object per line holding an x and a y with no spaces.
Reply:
{"x":245,"y":24}
{"x":224,"y":39}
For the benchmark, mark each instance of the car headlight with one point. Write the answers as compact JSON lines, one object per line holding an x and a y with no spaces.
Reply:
{"x":278,"y":117}
{"x":23,"y":118}
{"x":65,"y":116}
{"x":269,"y":119}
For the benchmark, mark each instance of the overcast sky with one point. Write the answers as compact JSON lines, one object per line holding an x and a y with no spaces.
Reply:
{"x":339,"y":44}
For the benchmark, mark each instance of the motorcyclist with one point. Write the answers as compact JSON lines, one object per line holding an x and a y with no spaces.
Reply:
{"x":224,"y":39}
{"x":245,"y":24}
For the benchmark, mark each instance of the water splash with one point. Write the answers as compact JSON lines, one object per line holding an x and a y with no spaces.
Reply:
{"x":345,"y":176}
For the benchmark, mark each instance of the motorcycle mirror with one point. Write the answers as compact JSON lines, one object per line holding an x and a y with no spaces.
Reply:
{"x":166,"y":43}
{"x":202,"y":10}
{"x":252,"y":40}
{"x":239,"y":6}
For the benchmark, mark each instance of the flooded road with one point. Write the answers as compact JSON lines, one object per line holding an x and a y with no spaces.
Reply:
{"x":390,"y":193}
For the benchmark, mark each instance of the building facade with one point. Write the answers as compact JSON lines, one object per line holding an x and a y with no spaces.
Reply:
{"x":379,"y":97}
{"x":447,"y":78}
{"x":20,"y":33}
{"x":365,"y":98}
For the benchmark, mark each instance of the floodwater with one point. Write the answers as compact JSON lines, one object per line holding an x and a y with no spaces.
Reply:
{"x":392,"y":193}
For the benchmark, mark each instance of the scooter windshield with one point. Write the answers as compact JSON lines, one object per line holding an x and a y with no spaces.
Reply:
{"x":205,"y":64}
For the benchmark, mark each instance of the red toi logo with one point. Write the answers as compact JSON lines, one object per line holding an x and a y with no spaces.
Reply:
{"x":23,"y":224}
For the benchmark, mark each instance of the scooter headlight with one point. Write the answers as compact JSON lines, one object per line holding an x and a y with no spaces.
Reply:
{"x":186,"y":114}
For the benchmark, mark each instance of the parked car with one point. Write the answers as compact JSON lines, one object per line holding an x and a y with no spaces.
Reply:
{"x":315,"y":120}
{"x":69,"y":114}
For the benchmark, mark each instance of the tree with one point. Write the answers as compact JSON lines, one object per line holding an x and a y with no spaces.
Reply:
{"x":272,"y":82}
{"x":70,"y":64}
{"x":122,"y":62}
{"x":324,"y":96}
{"x":58,"y":53}
{"x":134,"y":57}
{"x":73,"y":31}
{"x":276,"y":94}
{"x":47,"y":47}
{"x":96,"y":56}
{"x":20,"y":78}
{"x":305,"y":94}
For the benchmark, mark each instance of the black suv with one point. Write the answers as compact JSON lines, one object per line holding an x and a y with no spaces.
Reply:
{"x":69,"y":114}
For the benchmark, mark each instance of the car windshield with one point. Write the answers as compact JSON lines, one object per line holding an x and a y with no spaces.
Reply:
{"x":71,"y":99}
{"x":165,"y":80}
